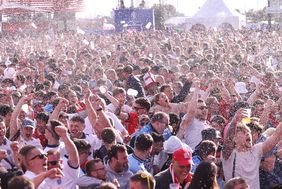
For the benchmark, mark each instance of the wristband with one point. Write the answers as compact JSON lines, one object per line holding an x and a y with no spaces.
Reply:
{"x":99,"y":109}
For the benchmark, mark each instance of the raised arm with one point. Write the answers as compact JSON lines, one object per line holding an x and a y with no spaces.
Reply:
{"x":228,"y":143}
{"x":62,"y":103}
{"x":183,"y":92}
{"x":254,"y":95}
{"x":14,"y":117}
{"x":41,"y":66}
{"x":71,"y":149}
{"x":271,"y":141}
{"x":102,"y":119}
{"x":190,"y":114}
{"x":231,"y":87}
{"x":266,"y":111}
{"x":121,"y":115}
{"x":112,"y":99}
{"x":92,"y":116}
{"x":224,"y":92}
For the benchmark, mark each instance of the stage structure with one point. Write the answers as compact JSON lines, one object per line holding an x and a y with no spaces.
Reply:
{"x":19,"y":14}
{"x":134,"y":19}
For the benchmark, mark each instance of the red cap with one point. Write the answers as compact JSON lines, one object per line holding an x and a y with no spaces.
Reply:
{"x":182,"y":157}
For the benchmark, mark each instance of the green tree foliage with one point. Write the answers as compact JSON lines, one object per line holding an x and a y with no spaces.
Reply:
{"x":162,"y":13}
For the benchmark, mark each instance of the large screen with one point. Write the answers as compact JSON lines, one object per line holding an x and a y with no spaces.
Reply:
{"x":134,"y":19}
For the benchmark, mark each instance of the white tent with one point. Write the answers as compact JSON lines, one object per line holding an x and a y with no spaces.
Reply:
{"x":214,"y":13}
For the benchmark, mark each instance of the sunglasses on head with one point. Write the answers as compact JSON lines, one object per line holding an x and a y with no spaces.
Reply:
{"x":52,"y":163}
{"x":40,"y":156}
{"x":147,"y":177}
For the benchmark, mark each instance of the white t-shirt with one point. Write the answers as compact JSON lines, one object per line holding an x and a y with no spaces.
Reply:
{"x":30,"y":175}
{"x":246,"y":165}
{"x":192,"y":135}
{"x":60,"y":148}
{"x":68,"y":180}
{"x":116,"y":122}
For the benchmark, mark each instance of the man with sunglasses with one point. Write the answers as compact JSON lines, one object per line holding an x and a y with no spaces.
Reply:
{"x":178,"y":172}
{"x":141,"y":106}
{"x":34,"y":163}
{"x":194,"y":122}
{"x":34,"y":160}
{"x":70,"y":166}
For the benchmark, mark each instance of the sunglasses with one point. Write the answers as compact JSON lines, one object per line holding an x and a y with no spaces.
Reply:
{"x":147,"y":177}
{"x":52,"y":163}
{"x":203,"y":107}
{"x":40,"y":156}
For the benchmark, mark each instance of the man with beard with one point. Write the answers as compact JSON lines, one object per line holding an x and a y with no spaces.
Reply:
{"x":95,"y":174}
{"x":194,"y":122}
{"x":117,"y":166}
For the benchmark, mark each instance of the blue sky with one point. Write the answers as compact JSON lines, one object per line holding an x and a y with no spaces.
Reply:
{"x":188,"y":7}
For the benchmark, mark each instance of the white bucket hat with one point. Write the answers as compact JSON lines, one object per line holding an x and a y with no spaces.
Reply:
{"x":241,"y":88}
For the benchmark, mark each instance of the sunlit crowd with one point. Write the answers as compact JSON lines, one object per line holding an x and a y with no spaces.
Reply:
{"x":199,"y":109}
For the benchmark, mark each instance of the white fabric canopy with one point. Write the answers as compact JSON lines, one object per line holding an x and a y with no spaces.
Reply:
{"x":215,"y":12}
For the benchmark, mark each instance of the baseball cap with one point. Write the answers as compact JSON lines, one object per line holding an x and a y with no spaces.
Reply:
{"x":182,"y":157}
{"x":210,"y":133}
{"x":173,"y":144}
{"x":28,"y":123}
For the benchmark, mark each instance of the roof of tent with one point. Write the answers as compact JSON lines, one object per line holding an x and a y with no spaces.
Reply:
{"x":215,"y":8}
{"x":14,"y":8}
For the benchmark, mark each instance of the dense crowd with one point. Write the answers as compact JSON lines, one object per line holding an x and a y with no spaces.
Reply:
{"x":148,"y":110}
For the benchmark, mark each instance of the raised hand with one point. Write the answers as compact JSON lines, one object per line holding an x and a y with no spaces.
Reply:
{"x":240,"y":114}
{"x":87,"y":94}
{"x":196,"y":83}
{"x":15,"y":146}
{"x":61,"y":131}
{"x":63,"y":101}
{"x":54,"y":173}
{"x":191,"y":76}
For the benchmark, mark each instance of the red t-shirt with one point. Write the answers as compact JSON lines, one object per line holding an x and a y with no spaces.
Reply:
{"x":132,"y":122}
{"x":41,"y":137}
{"x":274,"y":122}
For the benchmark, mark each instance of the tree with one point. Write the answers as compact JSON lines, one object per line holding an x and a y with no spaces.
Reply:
{"x":255,"y":16}
{"x":162,"y":13}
